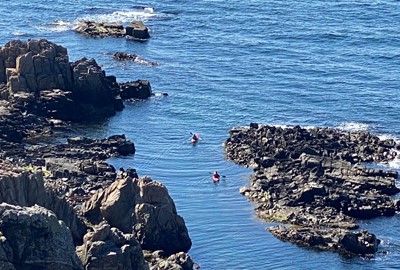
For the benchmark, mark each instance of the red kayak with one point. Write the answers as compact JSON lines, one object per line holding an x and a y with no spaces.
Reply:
{"x":215,"y":179}
{"x":195,"y":138}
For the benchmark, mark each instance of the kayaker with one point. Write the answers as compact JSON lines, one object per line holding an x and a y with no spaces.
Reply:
{"x":195,"y":137}
{"x":215,"y":175}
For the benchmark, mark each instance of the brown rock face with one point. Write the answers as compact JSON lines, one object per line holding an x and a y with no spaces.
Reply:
{"x":142,"y":207}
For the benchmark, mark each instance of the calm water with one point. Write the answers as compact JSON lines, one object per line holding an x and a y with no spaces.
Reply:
{"x":229,"y":63}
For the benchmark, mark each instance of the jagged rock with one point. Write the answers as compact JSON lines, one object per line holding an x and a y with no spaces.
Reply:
{"x":24,"y":188}
{"x":33,"y":238}
{"x":143,"y":207}
{"x":109,"y":248}
{"x":35,"y":65}
{"x":92,"y":88}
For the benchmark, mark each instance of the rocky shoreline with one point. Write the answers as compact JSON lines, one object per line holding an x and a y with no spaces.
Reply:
{"x":62,"y":206}
{"x":316,"y":183}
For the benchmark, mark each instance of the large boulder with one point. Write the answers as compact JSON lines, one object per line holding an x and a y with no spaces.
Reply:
{"x":33,"y":238}
{"x":142,"y":207}
{"x":21,"y":187}
{"x":140,"y":89}
{"x":109,"y":248}
{"x":137,"y":31}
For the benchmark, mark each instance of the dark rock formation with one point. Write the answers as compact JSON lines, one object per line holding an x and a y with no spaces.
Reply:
{"x":144,"y":208}
{"x":137,"y":31}
{"x":314,"y":178}
{"x":33,"y":238}
{"x":109,"y":248}
{"x":100,"y":30}
{"x":37,"y":78}
{"x":140,"y":89}
{"x":343,"y":241}
{"x":121,"y":56}
{"x":134,"y":31}
{"x":39,"y":87}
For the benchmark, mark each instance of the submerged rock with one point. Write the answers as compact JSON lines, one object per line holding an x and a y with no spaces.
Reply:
{"x":121,"y":56}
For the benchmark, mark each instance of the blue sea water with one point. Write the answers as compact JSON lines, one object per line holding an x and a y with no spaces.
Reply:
{"x":226,"y":64}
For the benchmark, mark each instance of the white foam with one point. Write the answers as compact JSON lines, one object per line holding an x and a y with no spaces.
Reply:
{"x":122,"y":16}
{"x":353,"y":126}
{"x":57,"y":26}
{"x":388,"y":137}
{"x":19,"y":34}
{"x":60,"y":26}
{"x":395,"y":163}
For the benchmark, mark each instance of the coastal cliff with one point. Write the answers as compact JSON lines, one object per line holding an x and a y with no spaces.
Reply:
{"x":63,"y":196}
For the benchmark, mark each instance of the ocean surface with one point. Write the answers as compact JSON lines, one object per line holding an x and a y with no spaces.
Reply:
{"x":226,"y":64}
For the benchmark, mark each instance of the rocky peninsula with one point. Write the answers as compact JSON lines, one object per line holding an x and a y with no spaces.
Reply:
{"x":316,"y":183}
{"x":62,"y":206}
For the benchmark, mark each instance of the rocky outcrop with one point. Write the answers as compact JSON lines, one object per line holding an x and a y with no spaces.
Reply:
{"x":343,"y":241}
{"x":38,"y":78}
{"x":33,"y":238}
{"x":121,"y":56}
{"x":100,"y":30}
{"x":18,"y":186}
{"x":144,"y":208}
{"x":314,"y":178}
{"x":109,"y":248}
{"x":135,"y":31}
{"x":76,"y":169}
{"x":34,"y":65}
{"x":140,"y":89}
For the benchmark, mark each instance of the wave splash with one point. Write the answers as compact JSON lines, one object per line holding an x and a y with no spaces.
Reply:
{"x":121,"y":16}
{"x":140,"y":14}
